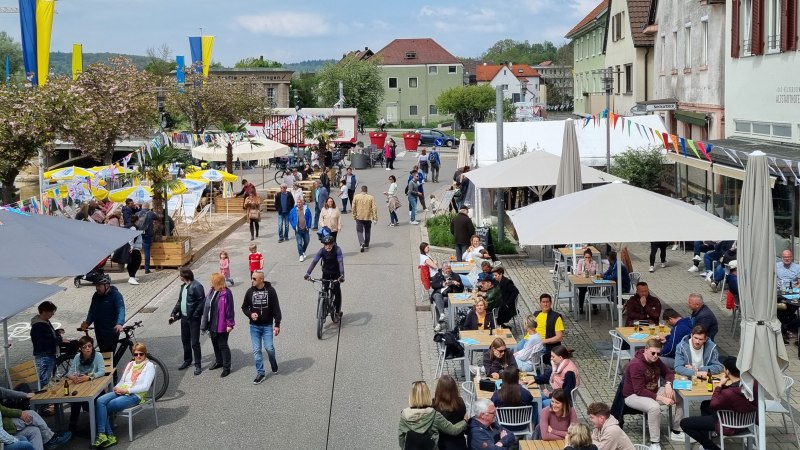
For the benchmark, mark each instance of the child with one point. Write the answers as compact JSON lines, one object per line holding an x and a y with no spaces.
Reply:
{"x":225,"y":266}
{"x":343,"y":195}
{"x":436,"y":207}
{"x":256,"y":259}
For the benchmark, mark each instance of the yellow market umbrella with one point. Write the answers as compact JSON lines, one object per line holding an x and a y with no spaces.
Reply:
{"x":139,"y":194}
{"x":213,"y":175}
{"x":82,"y":191}
{"x":68,"y":173}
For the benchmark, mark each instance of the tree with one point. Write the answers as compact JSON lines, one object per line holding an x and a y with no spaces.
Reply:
{"x":254,"y":63}
{"x":32,"y":117}
{"x":110,"y":103}
{"x":304,"y":84}
{"x":14,"y":51}
{"x":517,"y":52}
{"x":363,"y":86}
{"x":161,"y":64}
{"x":469,"y":104}
{"x":323,"y":131}
{"x":642,"y":167}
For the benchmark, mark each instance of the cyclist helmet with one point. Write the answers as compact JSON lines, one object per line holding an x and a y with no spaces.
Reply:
{"x":104,"y":279}
{"x":328,"y":239}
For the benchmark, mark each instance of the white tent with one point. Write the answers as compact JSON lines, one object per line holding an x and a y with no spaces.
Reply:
{"x":617,"y":212}
{"x":257,"y":148}
{"x":549,"y":135}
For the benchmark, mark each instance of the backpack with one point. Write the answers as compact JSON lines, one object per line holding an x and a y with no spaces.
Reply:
{"x":453,"y":348}
{"x":432,"y":159}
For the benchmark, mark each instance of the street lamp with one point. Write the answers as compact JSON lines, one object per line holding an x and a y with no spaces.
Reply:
{"x":399,"y":107}
{"x":466,"y":78}
{"x":296,"y":100}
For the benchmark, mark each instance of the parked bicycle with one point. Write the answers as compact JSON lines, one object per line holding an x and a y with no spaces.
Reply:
{"x":124,"y":349}
{"x":283,"y":167}
{"x":325,"y":305}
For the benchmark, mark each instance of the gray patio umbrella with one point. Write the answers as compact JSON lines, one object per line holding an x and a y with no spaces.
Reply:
{"x":762,"y":355}
{"x":19,"y":295}
{"x":569,"y":172}
{"x":47,"y":246}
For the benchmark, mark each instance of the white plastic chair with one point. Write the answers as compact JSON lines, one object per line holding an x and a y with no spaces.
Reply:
{"x":743,"y":423}
{"x":150,"y":401}
{"x":617,"y":352}
{"x":598,"y":296}
{"x":641,"y":447}
{"x":574,"y":396}
{"x":516,"y":417}
{"x":635,"y":277}
{"x":468,"y":392}
{"x":784,"y":407}
{"x":442,"y":353}
{"x":560,"y":294}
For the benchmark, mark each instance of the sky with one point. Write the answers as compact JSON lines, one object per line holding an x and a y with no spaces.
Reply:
{"x":312,"y":29}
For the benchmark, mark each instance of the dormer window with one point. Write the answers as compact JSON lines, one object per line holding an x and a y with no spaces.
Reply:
{"x":411,"y":55}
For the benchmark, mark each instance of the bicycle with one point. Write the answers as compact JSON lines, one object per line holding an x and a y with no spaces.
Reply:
{"x":124,"y":346}
{"x":325,"y":304}
{"x":283,"y":167}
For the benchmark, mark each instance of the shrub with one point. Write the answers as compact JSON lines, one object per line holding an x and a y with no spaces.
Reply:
{"x":439,"y":230}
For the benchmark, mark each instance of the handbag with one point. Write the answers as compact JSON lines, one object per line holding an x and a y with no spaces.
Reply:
{"x":254,"y":214}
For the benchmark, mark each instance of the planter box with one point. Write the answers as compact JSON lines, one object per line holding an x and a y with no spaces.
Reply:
{"x":377,"y":138}
{"x":174,"y":251}
{"x":411,"y":141}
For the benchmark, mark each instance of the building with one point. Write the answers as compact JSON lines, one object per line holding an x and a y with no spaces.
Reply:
{"x":415,"y":72}
{"x":520,"y":82}
{"x":556,"y":78}
{"x":629,"y":54}
{"x":589,"y":61}
{"x":272,"y":83}
{"x":690,"y":63}
{"x":358,"y":55}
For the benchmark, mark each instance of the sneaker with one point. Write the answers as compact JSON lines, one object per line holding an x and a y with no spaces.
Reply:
{"x":442,"y":317}
{"x":414,"y":222}
{"x":664,"y":264}
{"x":696,"y":258}
{"x":655,"y":446}
{"x":437,"y":328}
{"x":132,"y":280}
{"x":652,"y":269}
{"x":713,"y":287}
{"x":388,"y":168}
{"x":677,"y":436}
{"x":693,"y":269}
{"x":60,"y":438}
{"x":112,"y":441}
{"x":259,"y":378}
{"x":302,"y":258}
{"x":362,"y":248}
{"x":674,"y":247}
{"x":426,"y":210}
{"x":100,"y":441}
{"x":275,"y":368}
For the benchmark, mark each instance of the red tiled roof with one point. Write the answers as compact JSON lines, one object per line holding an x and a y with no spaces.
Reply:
{"x":489,"y":71}
{"x":595,"y":13}
{"x":638,"y":12}
{"x":426,"y":51}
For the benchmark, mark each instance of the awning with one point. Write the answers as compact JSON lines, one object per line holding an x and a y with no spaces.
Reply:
{"x":694,"y":118}
{"x":689,"y":161}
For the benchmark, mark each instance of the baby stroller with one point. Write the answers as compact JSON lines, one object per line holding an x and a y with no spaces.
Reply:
{"x":94,"y":275}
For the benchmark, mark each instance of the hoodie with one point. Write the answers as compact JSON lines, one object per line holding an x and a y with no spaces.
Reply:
{"x":683,"y":356}
{"x":683,"y":327}
{"x":263,"y":302}
{"x":421,"y":420}
{"x":43,"y":337}
{"x":611,"y":436}
{"x":641,"y":377}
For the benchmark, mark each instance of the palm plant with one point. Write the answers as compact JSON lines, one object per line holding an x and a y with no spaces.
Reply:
{"x":323,"y":131}
{"x":229,"y":128}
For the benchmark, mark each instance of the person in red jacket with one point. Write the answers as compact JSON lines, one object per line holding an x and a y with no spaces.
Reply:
{"x":642,"y":306}
{"x":727,"y":395}
{"x":642,"y":393}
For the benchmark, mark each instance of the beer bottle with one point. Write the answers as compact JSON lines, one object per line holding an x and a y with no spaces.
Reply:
{"x":710,"y":385}
{"x":66,"y":387}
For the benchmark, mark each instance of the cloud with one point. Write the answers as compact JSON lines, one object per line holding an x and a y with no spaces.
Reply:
{"x":438,"y":11}
{"x":286,"y":24}
{"x":472,"y":19}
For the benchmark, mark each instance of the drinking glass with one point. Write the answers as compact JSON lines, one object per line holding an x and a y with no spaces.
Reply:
{"x":652,"y":328}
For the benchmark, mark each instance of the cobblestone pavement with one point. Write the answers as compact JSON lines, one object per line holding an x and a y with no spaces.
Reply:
{"x":672,"y":285}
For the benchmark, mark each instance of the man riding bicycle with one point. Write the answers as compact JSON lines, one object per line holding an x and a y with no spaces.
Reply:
{"x":332,"y":269}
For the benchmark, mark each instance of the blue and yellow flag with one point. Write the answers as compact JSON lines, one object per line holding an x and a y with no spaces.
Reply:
{"x":201,"y":47}
{"x":36,"y":25}
{"x":208,"y":46}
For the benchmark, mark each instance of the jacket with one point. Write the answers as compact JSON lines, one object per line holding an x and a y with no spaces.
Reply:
{"x":471,"y":322}
{"x":641,"y":378}
{"x":320,"y":196}
{"x":96,"y":367}
{"x":458,"y":441}
{"x":195,"y":300}
{"x":263,"y":302}
{"x":482,"y":437}
{"x":217,"y":318}
{"x":306,"y":216}
{"x":331,"y":218}
{"x":558,"y":378}
{"x":351,"y":186}
{"x":498,"y":365}
{"x":421,"y":420}
{"x":43,"y":337}
{"x":146,"y":218}
{"x":683,"y":356}
{"x":611,"y":274}
{"x":438,"y":283}
{"x":106,"y":311}
{"x":650,"y":312}
{"x":731,"y":397}
{"x":9,"y":414}
{"x":364,"y":207}
{"x":462,"y":228}
{"x":611,"y":436}
{"x":683,"y":327}
{"x":284,"y":202}
{"x":705,"y":317}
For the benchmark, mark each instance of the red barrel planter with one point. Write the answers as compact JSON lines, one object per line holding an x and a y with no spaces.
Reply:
{"x":411,"y":141}
{"x":377,"y":138}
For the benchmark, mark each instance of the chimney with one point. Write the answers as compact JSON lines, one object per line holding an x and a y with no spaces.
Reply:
{"x":261,"y":57}
{"x":366,"y":49}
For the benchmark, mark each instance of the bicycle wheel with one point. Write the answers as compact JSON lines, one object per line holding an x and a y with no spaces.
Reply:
{"x":161,"y":379}
{"x":321,"y":314}
{"x":279,"y":176}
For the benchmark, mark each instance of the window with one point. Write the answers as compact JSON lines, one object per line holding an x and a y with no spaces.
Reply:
{"x":451,"y":69}
{"x":747,"y":42}
{"x":704,"y":43}
{"x":515,"y":98}
{"x":687,"y":46}
{"x":412,"y":82}
{"x":774,"y":25}
{"x":628,"y":78}
{"x":674,"y":49}
{"x":433,"y":70}
{"x":504,"y":87}
{"x":432,"y":110}
{"x":616,"y":26}
{"x":663,"y":50}
{"x":593,"y":42}
{"x":412,"y":110}
{"x":411,"y":55}
{"x":392,"y":83}
{"x":586,"y":47}
{"x":778,"y":130}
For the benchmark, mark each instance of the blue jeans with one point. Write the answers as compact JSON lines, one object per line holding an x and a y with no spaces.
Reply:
{"x":316,"y":218}
{"x":710,"y":257}
{"x":393,"y":217}
{"x":111,"y":403}
{"x":44,"y":368}
{"x":412,"y":207}
{"x":146,"y":242}
{"x":262,"y":334}
{"x":302,"y":241}
{"x":283,"y":226}
{"x":719,"y":273}
{"x":23,"y":444}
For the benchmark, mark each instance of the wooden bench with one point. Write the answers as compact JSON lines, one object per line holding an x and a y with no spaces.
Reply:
{"x":25,"y":373}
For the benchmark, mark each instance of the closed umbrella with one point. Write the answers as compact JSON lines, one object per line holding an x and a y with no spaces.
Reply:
{"x":463,"y":152}
{"x":569,"y":172}
{"x":762,"y":355}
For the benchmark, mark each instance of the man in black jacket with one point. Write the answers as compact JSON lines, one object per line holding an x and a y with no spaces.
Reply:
{"x":45,"y":341}
{"x":189,"y":309}
{"x":261,"y":306}
{"x":284,"y":202}
{"x":508,"y":292}
{"x":462,"y":229}
{"x":443,"y":283}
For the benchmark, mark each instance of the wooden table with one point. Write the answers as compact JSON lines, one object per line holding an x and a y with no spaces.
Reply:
{"x":698,"y":393}
{"x":84,"y":392}
{"x":484,"y":341}
{"x":456,"y":301}
{"x":534,"y":389}
{"x":626,"y":333}
{"x":580,"y":281}
{"x":541,"y":445}
{"x":566,"y":255}
{"x":461,"y":266}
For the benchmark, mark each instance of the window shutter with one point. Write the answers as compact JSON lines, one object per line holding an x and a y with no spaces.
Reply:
{"x":784,"y":44}
{"x":735,"y":21}
{"x":791,"y":25}
{"x":757,"y":31}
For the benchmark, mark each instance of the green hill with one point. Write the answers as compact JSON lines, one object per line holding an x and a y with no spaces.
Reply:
{"x":310,"y":66}
{"x":61,"y":63}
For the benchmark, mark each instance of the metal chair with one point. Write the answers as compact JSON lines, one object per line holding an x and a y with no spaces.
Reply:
{"x":736,"y":316}
{"x":442,"y":359}
{"x":560,"y":294}
{"x":468,"y":391}
{"x":635,"y":277}
{"x":516,"y":417}
{"x":598,"y":296}
{"x":784,"y":407}
{"x":641,"y":447}
{"x":744,"y":423}
{"x":150,"y":401}
{"x":575,"y":395}
{"x":617,"y":352}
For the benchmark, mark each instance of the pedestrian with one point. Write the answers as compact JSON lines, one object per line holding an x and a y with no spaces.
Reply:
{"x":128,"y":211}
{"x":365,"y":213}
{"x":462,"y":229}
{"x":146,"y":218}
{"x":252,"y":208}
{"x":343,"y":195}
{"x":261,"y":306}
{"x":320,"y":196}
{"x":107,"y":313}
{"x":388,"y":154}
{"x":420,"y":181}
{"x":225,"y":266}
{"x":297,"y":193}
{"x":392,"y":201}
{"x":135,"y":257}
{"x":283,"y":205}
{"x":189,"y":309}
{"x":255,"y":259}
{"x":331,"y":217}
{"x":655,"y":246}
{"x":218,"y":320}
{"x":45,"y":341}
{"x":422,"y":162}
{"x":435,"y":161}
{"x":300,"y":219}
{"x":351,"y":181}
{"x":412,"y":194}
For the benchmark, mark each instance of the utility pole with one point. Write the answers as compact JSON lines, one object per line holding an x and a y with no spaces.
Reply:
{"x":608,"y":83}
{"x":498,"y":114}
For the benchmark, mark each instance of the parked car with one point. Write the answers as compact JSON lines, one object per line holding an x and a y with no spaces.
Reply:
{"x":428,"y":136}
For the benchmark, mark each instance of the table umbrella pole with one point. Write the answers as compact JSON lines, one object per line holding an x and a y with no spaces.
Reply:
{"x":619,"y":292}
{"x":6,"y":356}
{"x":761,"y":443}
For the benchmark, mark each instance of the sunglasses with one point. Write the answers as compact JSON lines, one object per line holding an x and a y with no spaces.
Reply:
{"x":655,"y":353}
{"x":138,"y":354}
{"x":500,"y":350}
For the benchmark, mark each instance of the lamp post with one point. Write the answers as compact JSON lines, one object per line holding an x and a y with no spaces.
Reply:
{"x":399,"y":107}
{"x":608,"y":84}
{"x":498,"y":114}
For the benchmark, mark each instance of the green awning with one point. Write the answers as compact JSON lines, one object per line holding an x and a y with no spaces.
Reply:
{"x":694,"y":118}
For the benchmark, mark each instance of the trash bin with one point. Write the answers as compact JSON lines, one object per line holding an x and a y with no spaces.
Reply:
{"x":358,"y":161}
{"x":411,"y":141}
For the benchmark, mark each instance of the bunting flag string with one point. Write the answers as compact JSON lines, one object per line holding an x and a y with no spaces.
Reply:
{"x":683,"y":145}
{"x":777,"y":168}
